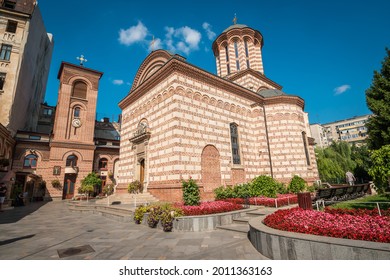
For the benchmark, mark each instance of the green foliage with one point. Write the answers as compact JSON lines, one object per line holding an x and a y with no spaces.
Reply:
{"x":242,"y":190}
{"x":191,"y":194}
{"x":297,"y":184}
{"x":135,"y":187}
{"x":108,"y":189}
{"x":89,"y":182}
{"x":263,"y":185}
{"x":338,"y":158}
{"x":154,"y":216}
{"x":139,"y":213}
{"x":56,"y":184}
{"x":380,"y":169}
{"x":238,"y":191}
{"x":281,"y":188}
{"x":378,"y":101}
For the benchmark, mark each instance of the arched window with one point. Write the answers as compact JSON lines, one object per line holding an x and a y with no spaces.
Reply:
{"x":247,"y":54}
{"x":71,"y":160}
{"x":80,"y":90}
{"x":30,"y":161}
{"x":305,"y":145}
{"x":235,"y":144}
{"x":103,"y":163}
{"x":76,"y":112}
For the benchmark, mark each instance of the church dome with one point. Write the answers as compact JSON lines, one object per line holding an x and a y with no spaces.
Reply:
{"x":235,"y":26}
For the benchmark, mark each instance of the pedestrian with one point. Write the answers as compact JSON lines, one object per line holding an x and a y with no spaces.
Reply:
{"x":3,"y":192}
{"x":350,"y":178}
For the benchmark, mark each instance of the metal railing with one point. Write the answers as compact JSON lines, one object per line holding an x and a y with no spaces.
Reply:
{"x":322,"y":202}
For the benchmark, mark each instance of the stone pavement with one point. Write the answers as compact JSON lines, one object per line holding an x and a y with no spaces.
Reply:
{"x":46,"y":231}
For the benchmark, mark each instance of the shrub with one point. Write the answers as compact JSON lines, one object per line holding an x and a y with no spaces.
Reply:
{"x":241,"y":190}
{"x":135,"y":187}
{"x":191,"y":194}
{"x":281,"y":188}
{"x":154,"y":216}
{"x":89,"y":182}
{"x":263,"y":186}
{"x":56,"y":184}
{"x":297,"y":184}
{"x":139,"y":213}
{"x":108,"y":189}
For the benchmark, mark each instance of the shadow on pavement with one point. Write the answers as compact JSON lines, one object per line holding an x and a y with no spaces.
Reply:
{"x":4,"y":242}
{"x":13,"y":215}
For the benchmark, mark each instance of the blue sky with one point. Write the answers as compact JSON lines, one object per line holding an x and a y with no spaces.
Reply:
{"x":322,"y":51}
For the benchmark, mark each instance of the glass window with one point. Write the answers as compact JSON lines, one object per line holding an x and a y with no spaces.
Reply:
{"x":5,"y":52}
{"x":2,"y":80}
{"x":227,"y":53}
{"x":247,"y":64}
{"x":11,"y":26}
{"x":103,"y":163}
{"x":304,"y":139}
{"x":76,"y":112}
{"x":9,"y":4}
{"x":235,"y":144}
{"x":237,"y":65}
{"x":236,"y":49}
{"x":71,"y":161}
{"x":228,"y":69}
{"x":246,"y":49}
{"x":30,"y":161}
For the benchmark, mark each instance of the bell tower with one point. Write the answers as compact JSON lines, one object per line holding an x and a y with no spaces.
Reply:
{"x":76,"y":106}
{"x":238,"y":48}
{"x":72,"y":144}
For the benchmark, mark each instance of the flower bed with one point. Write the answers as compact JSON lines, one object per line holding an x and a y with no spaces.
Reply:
{"x":357,"y":212}
{"x":210,"y":207}
{"x":280,"y":200}
{"x":360,"y":226}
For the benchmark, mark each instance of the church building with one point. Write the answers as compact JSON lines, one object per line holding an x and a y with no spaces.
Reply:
{"x":180,"y":121}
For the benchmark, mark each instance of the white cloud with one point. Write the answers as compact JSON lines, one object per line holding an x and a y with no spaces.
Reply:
{"x":155,"y":45}
{"x":118,"y":82}
{"x":133,"y":34}
{"x":210,"y":34}
{"x":341,"y":89}
{"x":184,"y":39}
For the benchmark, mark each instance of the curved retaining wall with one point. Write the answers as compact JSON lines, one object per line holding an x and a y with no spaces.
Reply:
{"x":284,"y":245}
{"x":204,"y":222}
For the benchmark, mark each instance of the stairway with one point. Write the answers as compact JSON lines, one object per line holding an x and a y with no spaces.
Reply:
{"x":241,"y":224}
{"x":127,"y":198}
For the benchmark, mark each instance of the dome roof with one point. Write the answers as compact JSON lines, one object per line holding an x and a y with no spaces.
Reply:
{"x":271,"y":92}
{"x":235,"y":26}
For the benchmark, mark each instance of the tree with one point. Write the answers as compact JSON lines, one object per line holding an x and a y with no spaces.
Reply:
{"x":380,"y":169}
{"x":378,"y":101}
{"x":89,"y":182}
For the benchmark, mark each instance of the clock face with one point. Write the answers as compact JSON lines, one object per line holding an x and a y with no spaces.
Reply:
{"x":76,"y":123}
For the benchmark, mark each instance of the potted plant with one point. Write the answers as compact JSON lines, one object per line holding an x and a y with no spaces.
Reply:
{"x":139,"y":213}
{"x":108,"y":189}
{"x":56,"y":184}
{"x":135,"y":187}
{"x":154,"y":216}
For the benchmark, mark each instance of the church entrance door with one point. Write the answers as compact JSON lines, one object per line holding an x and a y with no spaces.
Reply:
{"x":142,"y":171}
{"x":69,"y":183}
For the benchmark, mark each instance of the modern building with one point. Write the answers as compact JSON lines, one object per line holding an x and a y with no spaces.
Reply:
{"x":180,"y":121}
{"x":25,"y":55}
{"x":352,"y":130}
{"x":319,"y":133}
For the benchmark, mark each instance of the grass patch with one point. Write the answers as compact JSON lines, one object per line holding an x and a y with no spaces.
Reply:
{"x":357,"y":203}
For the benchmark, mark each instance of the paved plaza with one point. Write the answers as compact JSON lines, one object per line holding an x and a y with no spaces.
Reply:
{"x":50,"y":231}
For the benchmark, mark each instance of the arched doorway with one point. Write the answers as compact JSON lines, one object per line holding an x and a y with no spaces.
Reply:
{"x":211,"y":168}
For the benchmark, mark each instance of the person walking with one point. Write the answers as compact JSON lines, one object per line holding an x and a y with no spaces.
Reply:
{"x":3,"y":192}
{"x":350,"y":178}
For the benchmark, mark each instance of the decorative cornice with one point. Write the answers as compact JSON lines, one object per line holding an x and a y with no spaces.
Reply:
{"x":175,"y":65}
{"x":72,"y":145}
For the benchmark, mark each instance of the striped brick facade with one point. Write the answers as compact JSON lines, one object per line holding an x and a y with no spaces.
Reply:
{"x":176,"y":124}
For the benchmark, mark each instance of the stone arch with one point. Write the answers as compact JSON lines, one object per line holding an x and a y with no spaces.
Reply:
{"x":210,"y":168}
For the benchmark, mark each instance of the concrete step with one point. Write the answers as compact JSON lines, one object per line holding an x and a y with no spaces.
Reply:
{"x":242,"y":220}
{"x":239,"y":227}
{"x":126,"y":198}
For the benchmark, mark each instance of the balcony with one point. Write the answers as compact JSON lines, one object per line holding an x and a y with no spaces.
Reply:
{"x":71,"y":170}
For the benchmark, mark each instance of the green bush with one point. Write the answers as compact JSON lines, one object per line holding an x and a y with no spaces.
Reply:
{"x":135,"y":187}
{"x":108,"y":189}
{"x":281,"y":188}
{"x":297,"y":184}
{"x":191,"y":194}
{"x":241,"y":191}
{"x":139,"y":213}
{"x":263,"y":186}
